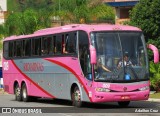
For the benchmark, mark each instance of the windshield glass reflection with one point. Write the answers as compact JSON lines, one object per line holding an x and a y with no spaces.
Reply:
{"x":120,"y":56}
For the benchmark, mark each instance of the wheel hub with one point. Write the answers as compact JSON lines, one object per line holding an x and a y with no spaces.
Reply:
{"x":77,"y":95}
{"x":17,"y":91}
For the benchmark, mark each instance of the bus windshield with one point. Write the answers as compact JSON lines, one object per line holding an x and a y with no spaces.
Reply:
{"x":121,"y":56}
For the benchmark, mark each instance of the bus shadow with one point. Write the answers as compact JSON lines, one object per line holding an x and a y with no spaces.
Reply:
{"x":108,"y":105}
{"x":54,"y":101}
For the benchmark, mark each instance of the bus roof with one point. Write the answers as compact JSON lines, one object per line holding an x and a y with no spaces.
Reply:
{"x":73,"y":27}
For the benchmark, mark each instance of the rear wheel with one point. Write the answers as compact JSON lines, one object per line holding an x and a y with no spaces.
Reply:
{"x":76,"y":97}
{"x":25,"y":96}
{"x":18,"y":93}
{"x":123,"y":103}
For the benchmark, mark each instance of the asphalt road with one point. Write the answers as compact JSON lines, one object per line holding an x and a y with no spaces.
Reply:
{"x":65,"y":108}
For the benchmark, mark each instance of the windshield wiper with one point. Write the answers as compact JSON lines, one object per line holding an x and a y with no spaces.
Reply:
{"x":133,"y":71}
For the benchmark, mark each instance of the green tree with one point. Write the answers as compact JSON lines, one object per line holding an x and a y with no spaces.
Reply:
{"x":39,"y":14}
{"x":14,"y":24}
{"x":34,"y":4}
{"x":25,"y":22}
{"x":146,"y":16}
{"x":83,"y":10}
{"x":155,"y":76}
{"x":13,"y":6}
{"x":21,"y":22}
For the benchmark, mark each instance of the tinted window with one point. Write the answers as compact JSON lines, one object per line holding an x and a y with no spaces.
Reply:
{"x":19,"y":48}
{"x":11,"y":48}
{"x":84,"y":53}
{"x":46,"y":45}
{"x":71,"y":43}
{"x":27,"y":47}
{"x":5,"y":49}
{"x":36,"y":47}
{"x":58,"y":48}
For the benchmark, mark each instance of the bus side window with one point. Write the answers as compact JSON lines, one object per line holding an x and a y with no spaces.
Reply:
{"x":64,"y":44}
{"x":14,"y":50}
{"x":27,"y":47}
{"x":36,"y":46}
{"x":53,"y":45}
{"x":6,"y":49}
{"x":84,"y":55}
{"x":19,"y":48}
{"x":46,"y":46}
{"x":58,"y":44}
{"x":11,"y":46}
{"x":70,"y":43}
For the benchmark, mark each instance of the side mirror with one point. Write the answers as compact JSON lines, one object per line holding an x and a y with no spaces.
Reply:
{"x":155,"y":52}
{"x":93,"y":55}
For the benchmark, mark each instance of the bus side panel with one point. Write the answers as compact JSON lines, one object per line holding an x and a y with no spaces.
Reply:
{"x":36,"y":90}
{"x":8,"y":83}
{"x":69,"y":74}
{"x":12,"y":73}
{"x":46,"y":79}
{"x":9,"y":76}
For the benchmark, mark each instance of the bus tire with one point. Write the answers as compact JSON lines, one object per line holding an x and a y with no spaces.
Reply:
{"x":18,"y":93}
{"x":123,"y":103}
{"x":25,"y":96}
{"x":76,"y":97}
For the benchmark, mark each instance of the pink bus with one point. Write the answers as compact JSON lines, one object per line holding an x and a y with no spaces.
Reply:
{"x":81,"y":63}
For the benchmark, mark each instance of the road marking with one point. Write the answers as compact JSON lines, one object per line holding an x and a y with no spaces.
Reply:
{"x":64,"y":114}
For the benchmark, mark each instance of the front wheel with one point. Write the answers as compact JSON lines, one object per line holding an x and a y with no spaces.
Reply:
{"x":25,"y":96}
{"x":123,"y":103}
{"x":76,"y":97}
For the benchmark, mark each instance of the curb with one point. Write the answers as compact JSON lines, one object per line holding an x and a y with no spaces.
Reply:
{"x":153,"y":100}
{"x":2,"y":92}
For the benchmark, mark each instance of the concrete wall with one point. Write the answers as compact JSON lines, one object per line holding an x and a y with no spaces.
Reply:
{"x":3,"y":10}
{"x":122,"y":8}
{"x":3,"y":5}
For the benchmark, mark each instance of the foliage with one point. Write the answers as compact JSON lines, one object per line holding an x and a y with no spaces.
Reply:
{"x":25,"y":22}
{"x":156,"y":43}
{"x":27,"y":16}
{"x":146,"y":16}
{"x":12,"y":6}
{"x":84,"y":11}
{"x":34,"y":4}
{"x":155,"y":76}
{"x":30,"y":15}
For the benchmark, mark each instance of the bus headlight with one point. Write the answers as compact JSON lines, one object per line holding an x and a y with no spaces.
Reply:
{"x":144,"y":88}
{"x":102,"y":90}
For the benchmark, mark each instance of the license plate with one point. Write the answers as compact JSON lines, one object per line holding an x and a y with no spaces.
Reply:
{"x":125,"y":97}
